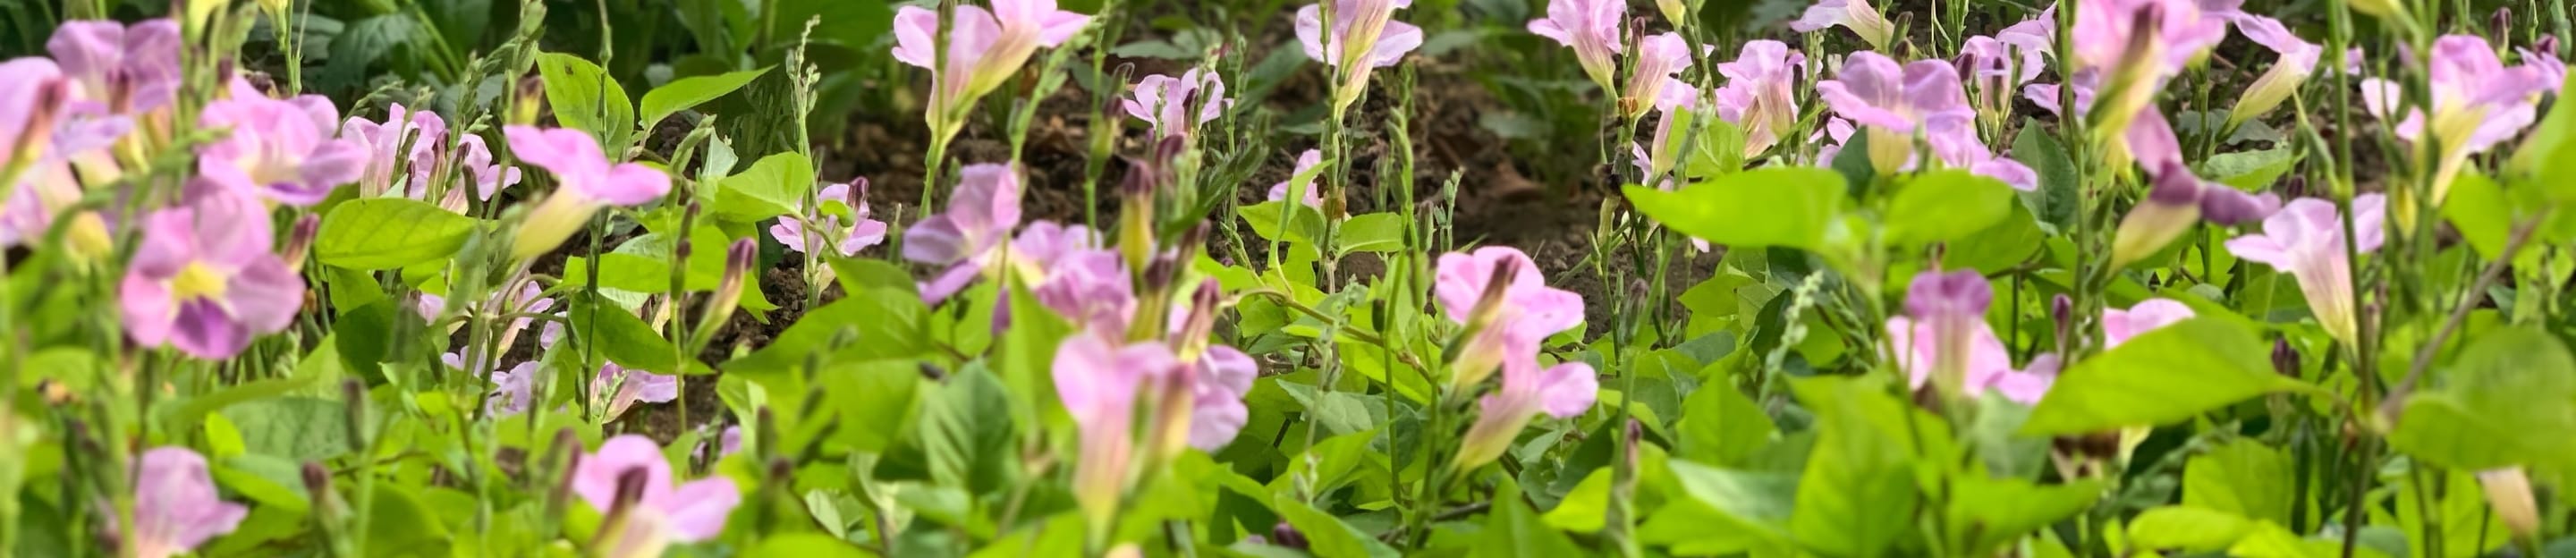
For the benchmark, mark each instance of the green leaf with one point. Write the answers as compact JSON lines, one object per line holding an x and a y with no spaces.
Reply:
{"x":1760,"y":502}
{"x":1327,"y":536}
{"x":1777,"y":206}
{"x":2166,"y":375}
{"x":2242,"y":478}
{"x":883,"y":323}
{"x":1512,"y":530}
{"x":1373,"y":232}
{"x":2251,"y":171}
{"x":1987,"y":513}
{"x":643,"y":265}
{"x":388,"y":233}
{"x":1720,"y":149}
{"x":1586,"y":508}
{"x":1946,"y":205}
{"x":1858,"y":493}
{"x":805,"y":545}
{"x":1265,"y":218}
{"x":849,"y":24}
{"x":877,"y":393}
{"x":296,"y":428}
{"x":399,"y":525}
{"x":2187,"y":528}
{"x":2550,"y":155}
{"x":774,"y":186}
{"x":2055,"y":200}
{"x":966,"y":430}
{"x":620,"y":336}
{"x":1720,"y":425}
{"x":684,"y":93}
{"x":2510,"y":399}
{"x":584,"y":98}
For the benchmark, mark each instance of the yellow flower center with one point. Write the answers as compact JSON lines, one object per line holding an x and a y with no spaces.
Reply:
{"x":196,"y":281}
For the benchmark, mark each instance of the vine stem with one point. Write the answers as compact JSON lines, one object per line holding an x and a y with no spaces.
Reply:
{"x":2460,"y":314}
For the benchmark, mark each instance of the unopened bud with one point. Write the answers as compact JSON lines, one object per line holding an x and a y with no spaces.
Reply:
{"x":300,"y":241}
{"x":529,"y":101}
{"x":2546,"y":47}
{"x":1286,"y":535}
{"x":2509,"y":491}
{"x":2231,"y":207}
{"x":2501,"y":23}
{"x":2285,"y":358}
{"x":2061,"y":309}
{"x":2171,"y":209}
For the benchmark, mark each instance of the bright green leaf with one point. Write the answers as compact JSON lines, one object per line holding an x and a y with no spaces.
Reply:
{"x":1777,"y":206}
{"x":585,"y":98}
{"x":2169,"y":374}
{"x":388,"y":233}
{"x":776,"y":185}
{"x":1946,"y":205}
{"x":2510,"y":399}
{"x":683,"y":93}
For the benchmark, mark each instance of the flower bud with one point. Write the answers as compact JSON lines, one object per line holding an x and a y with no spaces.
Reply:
{"x":530,"y":101}
{"x":1674,"y":11}
{"x":2232,"y":207}
{"x":2285,"y":358}
{"x":300,"y":240}
{"x":738,"y":262}
{"x":2170,"y":210}
{"x":2509,"y":491}
{"x":1287,"y":535}
{"x":2501,"y":23}
{"x":1481,"y":347}
{"x":90,"y":241}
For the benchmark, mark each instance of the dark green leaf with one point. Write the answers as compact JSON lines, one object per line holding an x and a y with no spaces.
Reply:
{"x":1512,"y":530}
{"x":2054,"y":201}
{"x":620,"y":336}
{"x":2241,"y":478}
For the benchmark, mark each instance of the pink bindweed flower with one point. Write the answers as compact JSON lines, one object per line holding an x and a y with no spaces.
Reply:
{"x":2132,"y":46}
{"x":2306,"y":240}
{"x":1836,"y":129}
{"x":658,"y":513}
{"x":2298,"y":60}
{"x":1097,"y":379}
{"x":2478,"y":103}
{"x":985,"y":48}
{"x":1943,"y":340}
{"x":276,"y":150}
{"x":1497,"y":292}
{"x":1562,"y":391}
{"x":585,"y":181}
{"x":1856,"y":15}
{"x":133,"y":69}
{"x":488,"y":177}
{"x":1165,"y":101}
{"x":204,"y":279}
{"x":1591,"y":28}
{"x":1655,"y":82}
{"x":1309,"y":196}
{"x":1223,"y":375}
{"x":619,"y":389}
{"x":1092,"y":288}
{"x":1761,"y":93}
{"x":837,"y":237}
{"x":966,"y":237}
{"x":513,"y":389}
{"x":2119,"y":326}
{"x":405,"y":138}
{"x":1894,"y":103}
{"x":1363,"y":30}
{"x":32,"y":90}
{"x":176,"y":507}
{"x":1995,"y":68}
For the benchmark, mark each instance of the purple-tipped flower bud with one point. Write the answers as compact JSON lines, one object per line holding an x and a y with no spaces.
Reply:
{"x":300,"y":240}
{"x":2285,"y":358}
{"x":530,"y":101}
{"x":858,"y":196}
{"x":2061,"y":309}
{"x":2547,"y":46}
{"x":2501,"y":22}
{"x":2171,"y":208}
{"x":2231,"y":207}
{"x":1286,"y":535}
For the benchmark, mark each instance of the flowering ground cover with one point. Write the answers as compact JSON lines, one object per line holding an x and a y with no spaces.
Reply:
{"x":805,"y":278}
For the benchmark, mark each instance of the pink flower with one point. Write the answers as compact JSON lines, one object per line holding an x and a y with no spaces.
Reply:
{"x":1893,"y":103}
{"x":1363,"y":30}
{"x":2306,"y":240}
{"x":1165,"y":101}
{"x":984,"y":47}
{"x":1223,"y":375}
{"x":2478,"y":103}
{"x":1943,"y":337}
{"x":964,"y":239}
{"x":275,"y":149}
{"x":424,"y":132}
{"x":1497,"y":292}
{"x":2119,"y":326}
{"x":585,"y":181}
{"x":1856,"y":15}
{"x":620,"y":388}
{"x":1561,"y":391}
{"x":1309,"y":195}
{"x":729,"y":442}
{"x":1761,"y":92}
{"x":134,"y":70}
{"x":836,"y":237}
{"x":1092,"y":289}
{"x":176,"y":507}
{"x":513,"y":389}
{"x":1997,"y":67}
{"x":661,"y":513}
{"x":203,"y":278}
{"x":2106,"y":32}
{"x":1591,"y":27}
{"x":31,"y":91}
{"x":1654,"y":83}
{"x":2298,"y":60}
{"x":1098,"y":380}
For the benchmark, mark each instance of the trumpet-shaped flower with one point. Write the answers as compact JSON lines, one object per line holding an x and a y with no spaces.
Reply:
{"x":513,"y":389}
{"x":2132,"y":46}
{"x":1894,"y":102}
{"x":2478,"y":103}
{"x":1856,"y":15}
{"x":1308,"y":194}
{"x":2298,"y":59}
{"x":1497,"y":292}
{"x":659,"y":513}
{"x":176,"y":507}
{"x":620,"y":388}
{"x":1591,"y":28}
{"x":976,"y":225}
{"x":1217,"y":412}
{"x":2306,"y":240}
{"x":1760,"y":94}
{"x":1561,"y":391}
{"x":423,"y":132}
{"x":1097,"y":379}
{"x":1092,"y":289}
{"x":1944,"y":338}
{"x":1364,"y":31}
{"x":984,"y":47}
{"x":836,"y":236}
{"x":203,"y":278}
{"x":276,"y":149}
{"x":1654,"y":83}
{"x":1165,"y":101}
{"x":1995,"y":68}
{"x":31,"y":91}
{"x":133,"y":69}
{"x":585,"y":181}
{"x":2119,"y":326}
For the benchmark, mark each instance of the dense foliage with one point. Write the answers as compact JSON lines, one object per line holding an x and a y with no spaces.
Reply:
{"x":2104,"y":278}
